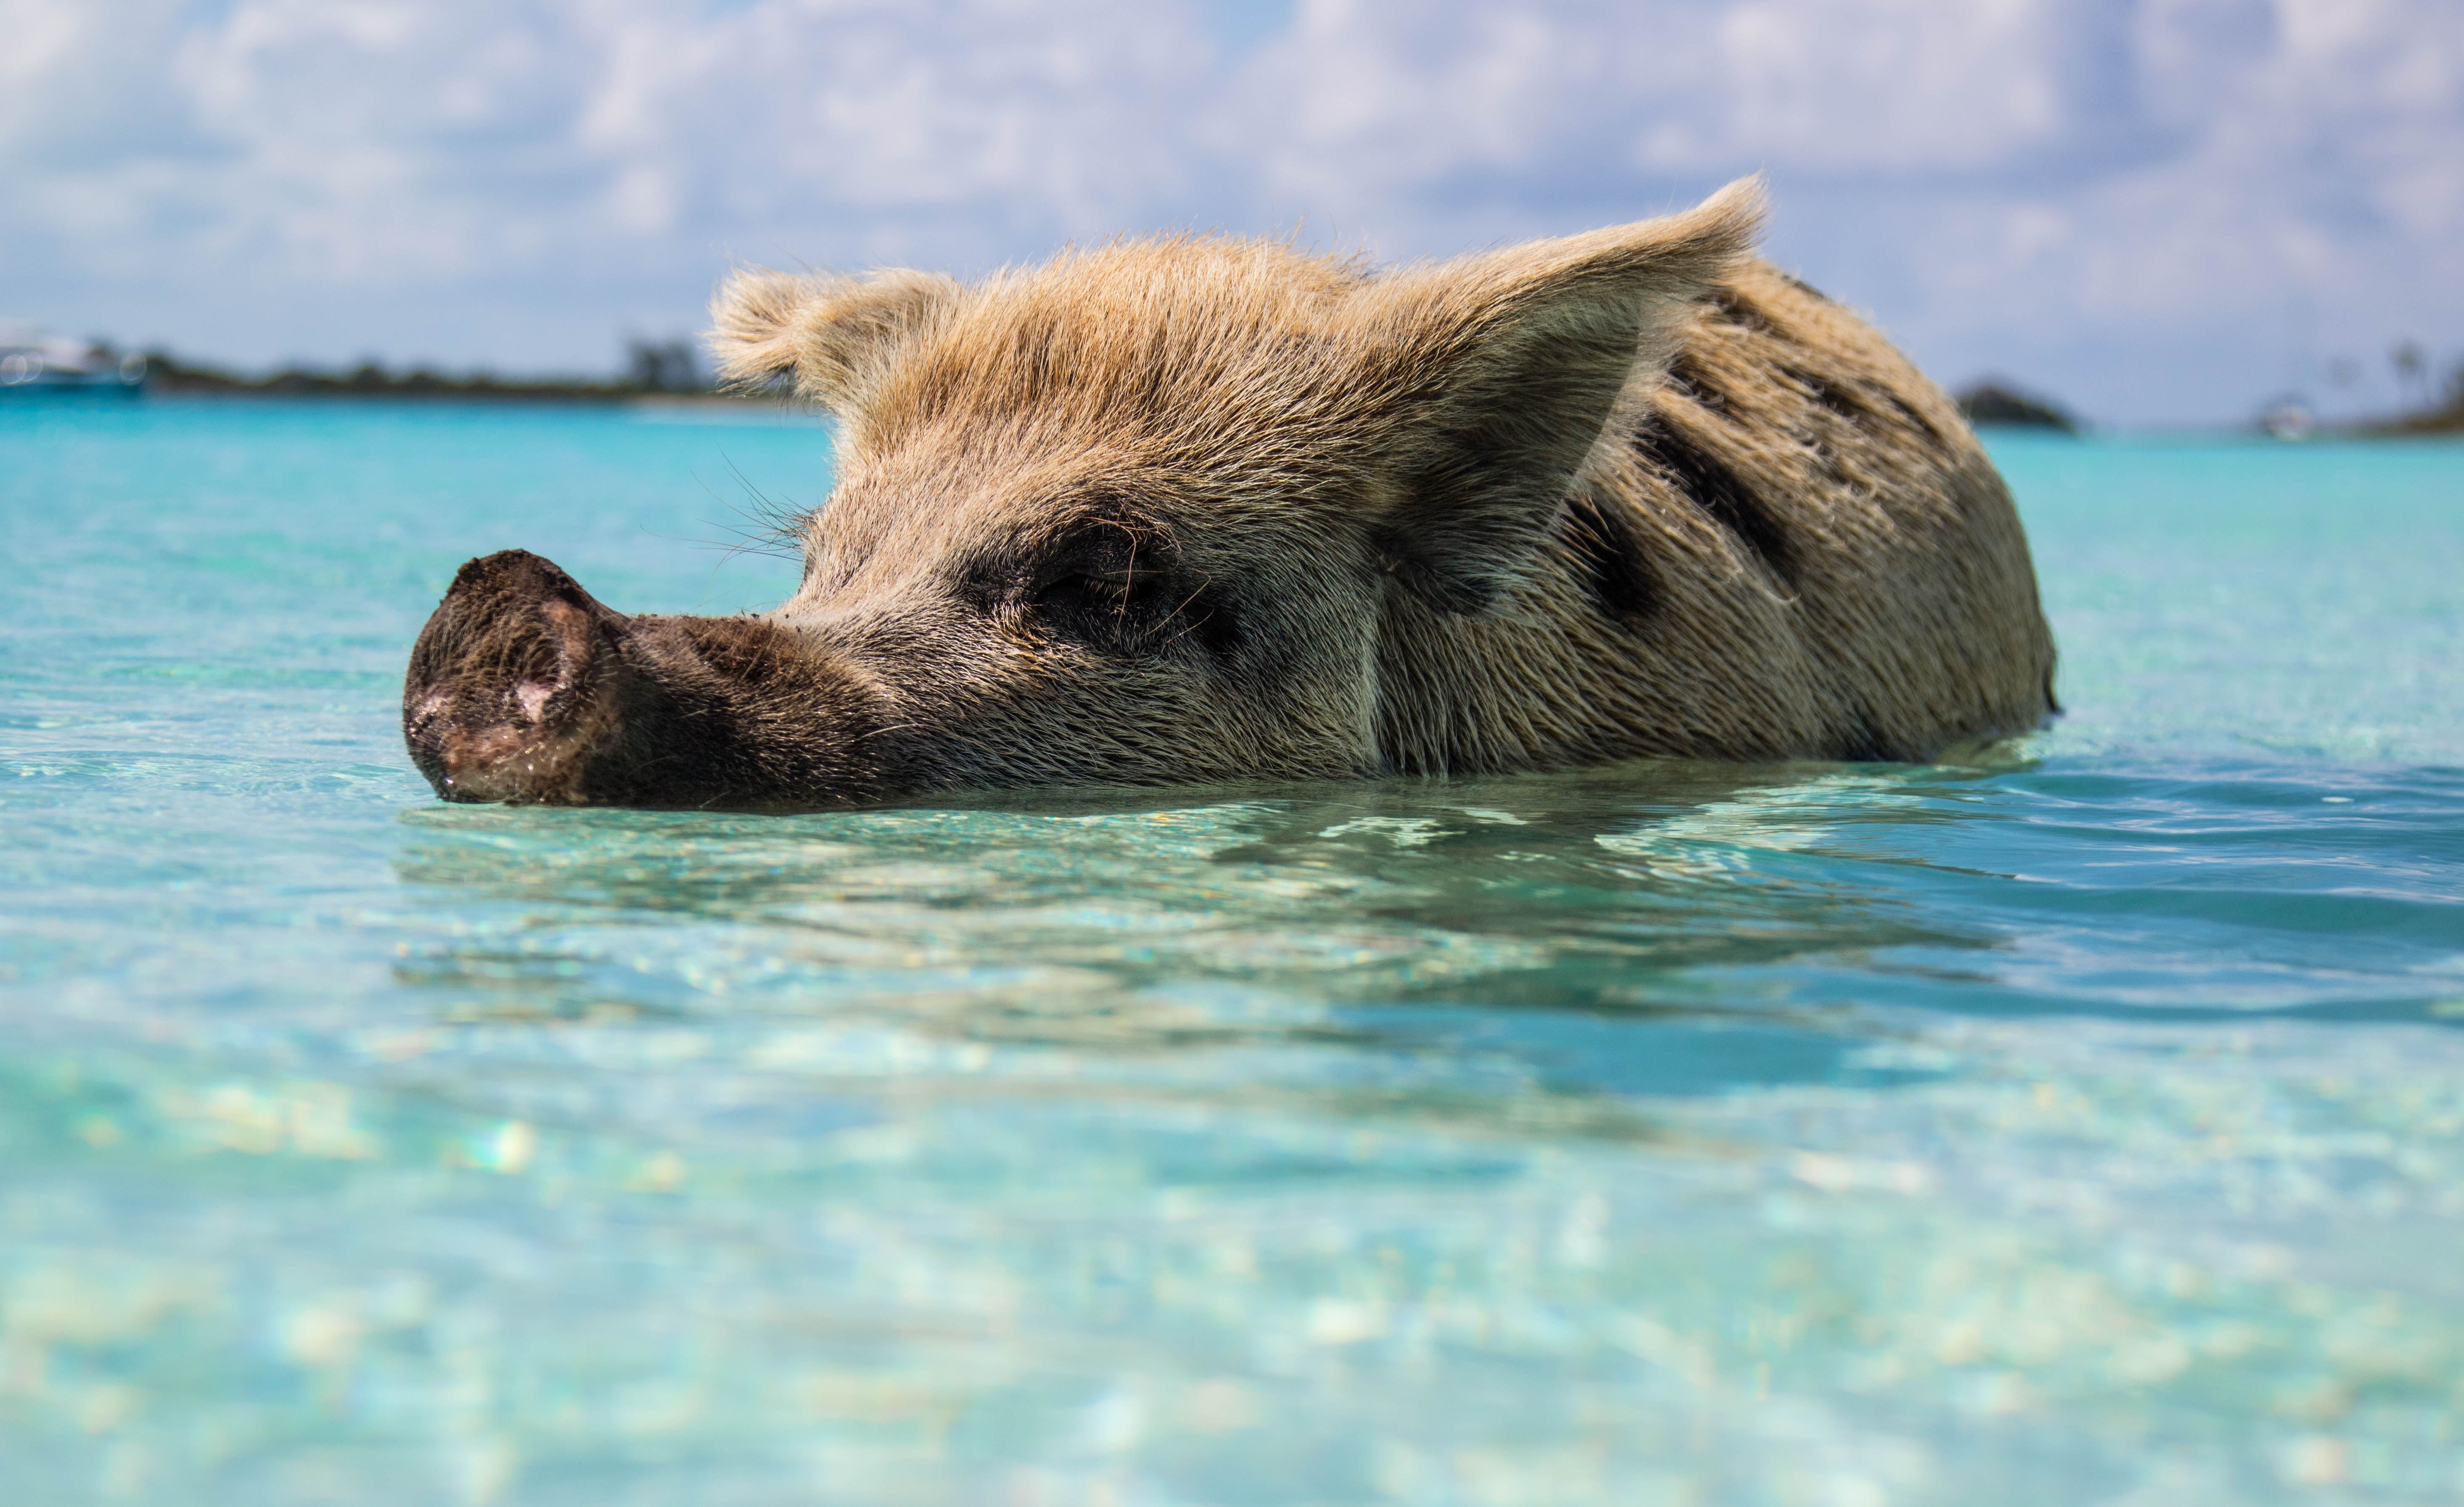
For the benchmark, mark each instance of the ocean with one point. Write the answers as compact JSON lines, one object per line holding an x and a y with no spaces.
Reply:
{"x":2082,"y":1124}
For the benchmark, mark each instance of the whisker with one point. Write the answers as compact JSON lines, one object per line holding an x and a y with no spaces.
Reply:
{"x":1184,"y":606}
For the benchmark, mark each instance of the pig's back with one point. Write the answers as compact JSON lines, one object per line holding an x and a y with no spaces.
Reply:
{"x":1791,"y":547}
{"x":1848,"y":498}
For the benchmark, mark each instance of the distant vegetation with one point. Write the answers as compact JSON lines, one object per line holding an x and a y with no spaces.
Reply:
{"x":1995,"y":402}
{"x":671,"y":369}
{"x":2447,"y":420}
{"x":2438,"y":408}
{"x":2442,"y":417}
{"x":652,"y":368}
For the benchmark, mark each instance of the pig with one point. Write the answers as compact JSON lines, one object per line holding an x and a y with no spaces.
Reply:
{"x":1194,"y":509}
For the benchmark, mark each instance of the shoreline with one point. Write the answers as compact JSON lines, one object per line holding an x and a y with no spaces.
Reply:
{"x":167,"y":379}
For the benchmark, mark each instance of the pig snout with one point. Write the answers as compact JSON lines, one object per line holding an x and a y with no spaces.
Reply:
{"x":524,"y":688}
{"x":516,"y":682}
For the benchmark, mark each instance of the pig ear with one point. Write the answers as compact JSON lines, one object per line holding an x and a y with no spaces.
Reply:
{"x":833,"y":335}
{"x":1499,"y":372}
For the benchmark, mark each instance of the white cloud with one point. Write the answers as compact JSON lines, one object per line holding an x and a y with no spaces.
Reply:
{"x":2123,"y":198}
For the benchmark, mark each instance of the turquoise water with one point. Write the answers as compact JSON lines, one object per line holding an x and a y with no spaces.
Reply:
{"x":2087,"y":1126}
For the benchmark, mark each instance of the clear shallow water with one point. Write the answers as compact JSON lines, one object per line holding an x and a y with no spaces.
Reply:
{"x":2088,"y":1127}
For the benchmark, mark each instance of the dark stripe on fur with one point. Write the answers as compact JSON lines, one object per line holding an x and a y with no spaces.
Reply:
{"x":1614,"y":574}
{"x":1914,"y":419}
{"x":1686,"y":379}
{"x":1832,"y":396}
{"x":1728,"y":306}
{"x":1861,"y":744}
{"x":1707,"y":483}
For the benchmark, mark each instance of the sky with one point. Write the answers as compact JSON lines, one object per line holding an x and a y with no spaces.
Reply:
{"x":2160,"y":212}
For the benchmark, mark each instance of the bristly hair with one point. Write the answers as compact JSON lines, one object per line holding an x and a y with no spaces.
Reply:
{"x":772,"y":528}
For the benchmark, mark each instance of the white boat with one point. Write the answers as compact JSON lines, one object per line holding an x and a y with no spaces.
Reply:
{"x":2288,"y":418}
{"x":35,"y":360}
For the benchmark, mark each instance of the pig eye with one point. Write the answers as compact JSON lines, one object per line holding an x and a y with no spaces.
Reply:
{"x":1107,"y":579}
{"x":1147,"y":612}
{"x":1102,"y":592}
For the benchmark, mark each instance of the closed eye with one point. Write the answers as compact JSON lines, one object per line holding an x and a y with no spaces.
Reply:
{"x":1101,"y":590}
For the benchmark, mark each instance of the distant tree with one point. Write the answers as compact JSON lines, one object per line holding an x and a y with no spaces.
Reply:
{"x":2411,"y":362}
{"x":662,"y":366}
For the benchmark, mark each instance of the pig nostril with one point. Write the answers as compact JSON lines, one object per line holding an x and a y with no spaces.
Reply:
{"x":532,"y":697}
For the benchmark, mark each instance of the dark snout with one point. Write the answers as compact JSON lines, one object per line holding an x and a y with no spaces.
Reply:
{"x":513,"y":683}
{"x":525,"y":688}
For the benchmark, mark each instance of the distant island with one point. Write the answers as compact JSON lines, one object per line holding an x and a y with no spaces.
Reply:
{"x":2440,"y":408}
{"x":2447,"y":418}
{"x":652,"y":369}
{"x":1996,"y":403}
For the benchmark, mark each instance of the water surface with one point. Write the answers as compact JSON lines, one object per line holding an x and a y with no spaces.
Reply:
{"x":2084,"y":1125}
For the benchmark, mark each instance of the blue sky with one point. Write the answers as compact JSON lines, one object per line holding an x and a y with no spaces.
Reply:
{"x":2161,"y":211}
